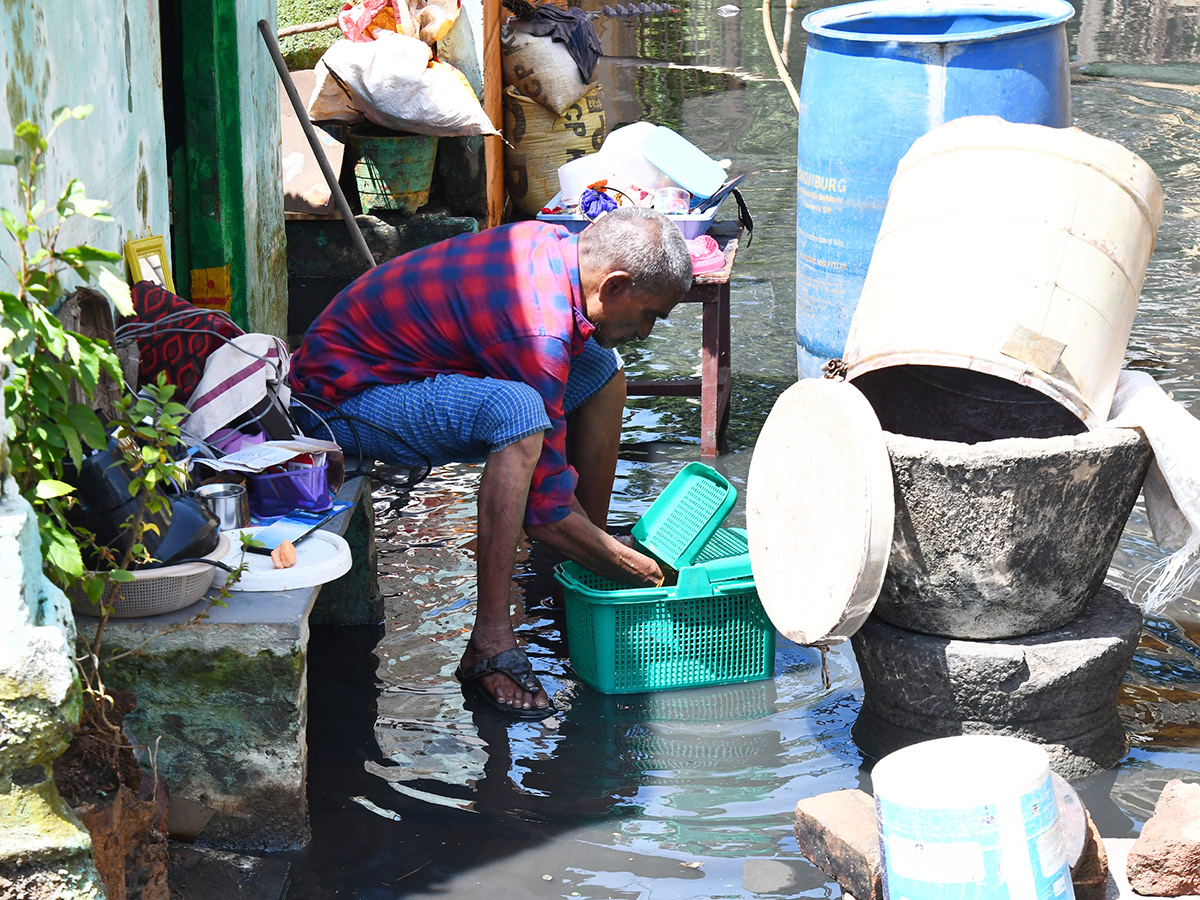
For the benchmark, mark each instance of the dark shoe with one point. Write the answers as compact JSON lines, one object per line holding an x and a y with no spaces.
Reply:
{"x":514,"y":664}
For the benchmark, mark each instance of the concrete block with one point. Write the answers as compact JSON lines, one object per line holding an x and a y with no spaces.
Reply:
{"x":323,"y":248}
{"x":1058,"y":688}
{"x":461,"y":169}
{"x":222,"y":704}
{"x":839,"y":833}
{"x":322,"y":257}
{"x":227,"y":722}
{"x":1089,"y":873}
{"x":43,"y":850}
{"x":1165,"y":858}
{"x":1006,"y":538}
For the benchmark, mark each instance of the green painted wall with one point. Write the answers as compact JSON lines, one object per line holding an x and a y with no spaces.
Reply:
{"x":119,"y":152}
{"x":230,"y":164}
{"x":262,"y":176}
{"x":228,"y":204}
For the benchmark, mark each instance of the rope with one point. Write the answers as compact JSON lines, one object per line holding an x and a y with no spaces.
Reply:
{"x":780,"y":65}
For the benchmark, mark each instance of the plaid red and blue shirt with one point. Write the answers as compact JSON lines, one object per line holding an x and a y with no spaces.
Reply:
{"x":504,"y":303}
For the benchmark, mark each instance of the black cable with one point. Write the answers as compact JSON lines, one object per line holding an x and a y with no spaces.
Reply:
{"x":353,"y":422}
{"x":131,"y":331}
{"x":196,"y":559}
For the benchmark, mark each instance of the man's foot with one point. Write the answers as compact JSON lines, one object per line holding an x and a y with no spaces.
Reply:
{"x":504,"y":681}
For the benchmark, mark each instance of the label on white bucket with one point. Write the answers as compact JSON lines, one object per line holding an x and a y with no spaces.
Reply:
{"x":969,"y":821}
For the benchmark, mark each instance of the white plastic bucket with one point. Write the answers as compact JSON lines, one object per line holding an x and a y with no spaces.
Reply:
{"x":576,"y":175}
{"x":1013,"y":250}
{"x":971,"y":817}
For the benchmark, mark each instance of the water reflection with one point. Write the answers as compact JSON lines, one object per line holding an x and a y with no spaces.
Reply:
{"x":1137,"y":31}
{"x":690,"y":794}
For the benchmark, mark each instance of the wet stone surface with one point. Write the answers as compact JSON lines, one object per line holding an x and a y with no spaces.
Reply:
{"x":1058,"y":688}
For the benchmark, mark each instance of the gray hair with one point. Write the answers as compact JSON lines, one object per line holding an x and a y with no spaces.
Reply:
{"x":644,"y":243}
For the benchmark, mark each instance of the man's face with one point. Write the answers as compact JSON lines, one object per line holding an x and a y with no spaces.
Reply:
{"x":628,"y":314}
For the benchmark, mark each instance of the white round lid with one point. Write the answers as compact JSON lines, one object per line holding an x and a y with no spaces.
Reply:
{"x":321,"y":556}
{"x":961,"y":771}
{"x":819,"y":511}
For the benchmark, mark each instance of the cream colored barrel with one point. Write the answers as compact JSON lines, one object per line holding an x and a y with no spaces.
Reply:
{"x":1013,"y":250}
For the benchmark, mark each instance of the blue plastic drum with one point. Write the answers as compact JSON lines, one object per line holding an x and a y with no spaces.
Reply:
{"x":877,"y":76}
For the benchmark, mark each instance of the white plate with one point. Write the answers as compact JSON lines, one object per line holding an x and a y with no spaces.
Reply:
{"x":320,"y":557}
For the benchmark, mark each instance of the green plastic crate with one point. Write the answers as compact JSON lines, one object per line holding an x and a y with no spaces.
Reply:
{"x":709,"y":628}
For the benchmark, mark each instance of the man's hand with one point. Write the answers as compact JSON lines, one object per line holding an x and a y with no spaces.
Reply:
{"x":614,"y":557}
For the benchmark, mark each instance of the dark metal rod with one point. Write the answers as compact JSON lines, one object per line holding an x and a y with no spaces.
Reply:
{"x":311,"y":133}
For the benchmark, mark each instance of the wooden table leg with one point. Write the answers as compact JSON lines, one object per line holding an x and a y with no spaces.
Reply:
{"x":712,"y":292}
{"x":724,"y":366}
{"x":710,"y":363}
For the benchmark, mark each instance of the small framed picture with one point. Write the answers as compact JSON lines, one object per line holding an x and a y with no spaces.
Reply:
{"x":147,"y":258}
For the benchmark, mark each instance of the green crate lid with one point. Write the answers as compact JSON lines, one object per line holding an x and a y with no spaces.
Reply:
{"x":686,"y":514}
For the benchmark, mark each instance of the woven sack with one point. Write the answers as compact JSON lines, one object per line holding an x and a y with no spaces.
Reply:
{"x":540,"y":68}
{"x":539,"y":142}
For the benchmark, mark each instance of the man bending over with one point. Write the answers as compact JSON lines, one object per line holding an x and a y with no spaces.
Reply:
{"x":498,"y":346}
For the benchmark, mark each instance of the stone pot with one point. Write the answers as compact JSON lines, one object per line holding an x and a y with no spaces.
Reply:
{"x":1058,"y":689}
{"x":1009,"y":537}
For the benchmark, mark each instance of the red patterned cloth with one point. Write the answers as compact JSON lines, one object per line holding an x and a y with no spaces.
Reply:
{"x":175,"y":337}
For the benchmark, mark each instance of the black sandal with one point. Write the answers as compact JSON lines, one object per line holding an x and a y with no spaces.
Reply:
{"x":514,"y":664}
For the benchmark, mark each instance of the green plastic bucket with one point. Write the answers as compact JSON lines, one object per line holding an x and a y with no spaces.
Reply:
{"x":394,"y":171}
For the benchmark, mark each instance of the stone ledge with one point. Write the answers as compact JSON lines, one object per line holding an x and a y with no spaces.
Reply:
{"x":322,"y":257}
{"x":222,"y":705}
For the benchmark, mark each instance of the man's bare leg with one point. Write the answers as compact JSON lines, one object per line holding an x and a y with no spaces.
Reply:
{"x":503,"y":492}
{"x":593,"y":442}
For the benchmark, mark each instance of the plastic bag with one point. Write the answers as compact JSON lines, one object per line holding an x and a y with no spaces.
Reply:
{"x":366,"y":20}
{"x":394,"y":82}
{"x":434,"y":18}
{"x":428,"y":20}
{"x":1171,"y":489}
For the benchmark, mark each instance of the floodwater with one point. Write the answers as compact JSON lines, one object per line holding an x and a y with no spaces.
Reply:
{"x":690,"y":794}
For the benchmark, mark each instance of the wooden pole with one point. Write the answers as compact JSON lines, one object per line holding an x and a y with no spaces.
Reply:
{"x":289,"y":30}
{"x":339,"y":198}
{"x":493,"y":85}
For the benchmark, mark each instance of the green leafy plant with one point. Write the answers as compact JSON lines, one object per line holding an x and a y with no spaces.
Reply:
{"x":46,"y":368}
{"x":46,"y":426}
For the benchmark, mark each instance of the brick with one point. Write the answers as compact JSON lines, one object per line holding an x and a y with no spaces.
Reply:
{"x":1089,"y":874}
{"x":1165,"y":859}
{"x":839,"y":833}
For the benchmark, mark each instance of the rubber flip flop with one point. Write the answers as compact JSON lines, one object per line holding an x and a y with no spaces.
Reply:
{"x":514,"y":664}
